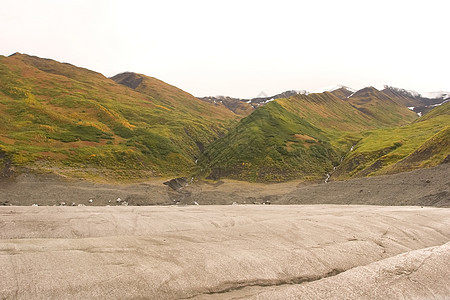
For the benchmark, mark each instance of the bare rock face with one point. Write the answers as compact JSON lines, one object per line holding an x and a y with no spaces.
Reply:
{"x":129,"y":79}
{"x":177,"y":192}
{"x":177,"y":184}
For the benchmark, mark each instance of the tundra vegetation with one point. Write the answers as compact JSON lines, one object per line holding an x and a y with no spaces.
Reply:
{"x":58,"y":118}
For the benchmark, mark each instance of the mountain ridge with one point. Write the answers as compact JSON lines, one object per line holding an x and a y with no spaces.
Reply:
{"x":415,"y":101}
{"x":381,"y":130}
{"x":59,"y":118}
{"x":85,"y":121}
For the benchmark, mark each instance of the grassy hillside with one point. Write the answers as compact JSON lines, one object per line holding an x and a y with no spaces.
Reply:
{"x":272,"y":144}
{"x":172,"y":97}
{"x":423,"y":143}
{"x":342,"y":119}
{"x":56,"y":117}
{"x":403,"y":97}
{"x":305,"y":136}
{"x":329,"y":112}
{"x":382,"y":108}
{"x":66,"y":119}
{"x":342,"y":93}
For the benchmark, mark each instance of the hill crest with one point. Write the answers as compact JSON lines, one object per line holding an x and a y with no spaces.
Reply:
{"x":56,"y":117}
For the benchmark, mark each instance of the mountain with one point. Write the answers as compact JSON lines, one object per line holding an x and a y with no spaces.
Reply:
{"x":240,"y":107}
{"x":413,"y":98}
{"x":419,"y":103}
{"x":342,"y":93}
{"x":356,"y":113}
{"x":272,"y":144}
{"x":61,"y":118}
{"x":172,"y":97}
{"x":439,"y":96}
{"x":423,"y":143}
{"x":302,"y":136}
{"x":416,"y":102}
{"x":244,"y":107}
{"x":381,"y":107}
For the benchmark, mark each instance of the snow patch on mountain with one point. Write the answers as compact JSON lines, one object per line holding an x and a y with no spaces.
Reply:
{"x":410,"y":93}
{"x":439,"y":104}
{"x":436,"y":95}
{"x":430,"y":95}
{"x":334,"y":88}
{"x":290,"y":93}
{"x":351,"y":95}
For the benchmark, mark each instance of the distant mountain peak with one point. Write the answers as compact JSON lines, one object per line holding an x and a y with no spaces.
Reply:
{"x":409,"y":93}
{"x":262,"y":94}
{"x":15,"y":54}
{"x":339,"y":87}
{"x":369,"y":89}
{"x":334,"y":88}
{"x":441,"y":95}
{"x":437,"y":95}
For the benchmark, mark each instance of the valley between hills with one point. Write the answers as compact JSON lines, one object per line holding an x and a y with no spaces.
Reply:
{"x":130,"y":188}
{"x":57,"y":118}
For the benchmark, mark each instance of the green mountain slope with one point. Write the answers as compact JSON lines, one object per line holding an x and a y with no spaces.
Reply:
{"x":62,"y":118}
{"x":441,"y":111}
{"x":342,"y":93}
{"x":381,"y":107}
{"x":328,"y":111}
{"x":342,"y":119}
{"x":171,"y":97}
{"x":272,"y":144}
{"x":403,"y":97}
{"x":56,"y":117}
{"x":265,"y":146}
{"x":423,"y":143}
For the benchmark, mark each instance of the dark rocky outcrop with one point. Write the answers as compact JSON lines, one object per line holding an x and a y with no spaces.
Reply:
{"x":6,"y":168}
{"x":129,"y":79}
{"x":177,"y":183}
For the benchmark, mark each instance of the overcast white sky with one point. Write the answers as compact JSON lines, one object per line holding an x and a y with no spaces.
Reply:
{"x":240,"y":48}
